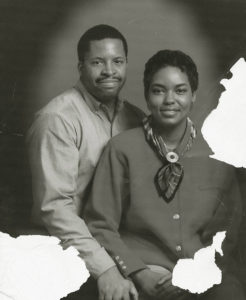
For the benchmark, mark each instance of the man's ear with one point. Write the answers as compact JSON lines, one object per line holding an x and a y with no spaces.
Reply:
{"x":80,"y":66}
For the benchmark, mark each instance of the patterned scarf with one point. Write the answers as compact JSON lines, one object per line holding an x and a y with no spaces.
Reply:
{"x":170,"y":175}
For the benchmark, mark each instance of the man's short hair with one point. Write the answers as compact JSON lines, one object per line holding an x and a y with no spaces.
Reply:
{"x":96,"y":33}
{"x":174,"y":58}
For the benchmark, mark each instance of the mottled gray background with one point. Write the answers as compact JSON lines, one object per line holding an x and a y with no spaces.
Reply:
{"x":38,"y":45}
{"x":38,"y":60}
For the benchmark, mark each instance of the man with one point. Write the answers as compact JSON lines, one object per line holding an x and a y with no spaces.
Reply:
{"x":65,"y":143}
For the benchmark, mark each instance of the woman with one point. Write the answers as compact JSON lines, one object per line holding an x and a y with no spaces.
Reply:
{"x":157,"y":196}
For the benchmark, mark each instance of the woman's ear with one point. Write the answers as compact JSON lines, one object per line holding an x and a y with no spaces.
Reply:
{"x":193,"y":100}
{"x":146,"y":99}
{"x":148,"y":104}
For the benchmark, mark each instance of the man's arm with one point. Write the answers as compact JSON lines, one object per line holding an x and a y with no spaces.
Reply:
{"x":54,"y":160}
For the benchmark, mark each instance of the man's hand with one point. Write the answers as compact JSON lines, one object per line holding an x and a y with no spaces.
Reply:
{"x":157,"y":285}
{"x":112,"y":286}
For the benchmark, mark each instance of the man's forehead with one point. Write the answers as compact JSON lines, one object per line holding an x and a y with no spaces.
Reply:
{"x":106,"y":46}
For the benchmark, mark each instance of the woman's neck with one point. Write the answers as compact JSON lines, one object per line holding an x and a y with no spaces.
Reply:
{"x":172,"y":135}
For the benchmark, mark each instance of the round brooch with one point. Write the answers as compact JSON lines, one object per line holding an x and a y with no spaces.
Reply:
{"x":172,"y":157}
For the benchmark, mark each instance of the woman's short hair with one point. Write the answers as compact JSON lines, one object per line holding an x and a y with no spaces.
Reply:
{"x":174,"y":58}
{"x":97,"y":33}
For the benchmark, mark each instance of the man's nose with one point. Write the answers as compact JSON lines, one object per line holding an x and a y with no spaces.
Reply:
{"x":168,"y":98}
{"x":108,"y":69}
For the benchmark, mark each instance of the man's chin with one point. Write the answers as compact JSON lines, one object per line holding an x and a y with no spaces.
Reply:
{"x":108,"y":94}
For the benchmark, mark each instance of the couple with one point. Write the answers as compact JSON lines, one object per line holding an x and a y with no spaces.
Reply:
{"x":156,"y":195}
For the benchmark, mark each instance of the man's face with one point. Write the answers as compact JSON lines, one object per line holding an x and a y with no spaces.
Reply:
{"x":103,"y":71}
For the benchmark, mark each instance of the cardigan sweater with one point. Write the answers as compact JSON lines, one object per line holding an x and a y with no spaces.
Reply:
{"x":138,"y":227}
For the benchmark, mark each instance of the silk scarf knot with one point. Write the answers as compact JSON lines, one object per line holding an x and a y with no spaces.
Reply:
{"x":170,"y":175}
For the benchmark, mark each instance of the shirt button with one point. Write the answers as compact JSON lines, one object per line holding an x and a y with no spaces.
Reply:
{"x":176,"y":217}
{"x":121,"y":262}
{"x":124,"y":267}
{"x":178,"y":248}
{"x":117,"y":257}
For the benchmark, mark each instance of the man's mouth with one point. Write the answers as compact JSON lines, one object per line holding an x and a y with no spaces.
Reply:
{"x":108,"y":82}
{"x":108,"y":79}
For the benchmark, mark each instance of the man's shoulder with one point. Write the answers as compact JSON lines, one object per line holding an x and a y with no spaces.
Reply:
{"x":134,"y":109}
{"x":63,"y":103}
{"x":58,"y":115}
{"x":128,"y":139}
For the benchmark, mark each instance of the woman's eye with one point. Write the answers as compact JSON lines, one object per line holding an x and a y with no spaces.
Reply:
{"x":181,"y":91}
{"x":119,"y":61}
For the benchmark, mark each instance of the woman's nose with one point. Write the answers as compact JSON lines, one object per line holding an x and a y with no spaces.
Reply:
{"x":169,"y":98}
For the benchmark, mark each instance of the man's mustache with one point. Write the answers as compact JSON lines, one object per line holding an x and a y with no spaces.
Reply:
{"x":108,"y":79}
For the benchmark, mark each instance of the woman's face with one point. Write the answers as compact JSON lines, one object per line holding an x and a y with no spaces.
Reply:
{"x":170,"y":97}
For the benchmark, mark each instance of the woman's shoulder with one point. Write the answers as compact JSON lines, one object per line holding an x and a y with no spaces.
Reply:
{"x":206,"y":168}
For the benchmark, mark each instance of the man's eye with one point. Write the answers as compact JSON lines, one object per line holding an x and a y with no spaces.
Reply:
{"x":96,"y":62}
{"x":156,"y":91}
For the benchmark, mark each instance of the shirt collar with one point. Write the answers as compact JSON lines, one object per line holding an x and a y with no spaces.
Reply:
{"x":91,"y":101}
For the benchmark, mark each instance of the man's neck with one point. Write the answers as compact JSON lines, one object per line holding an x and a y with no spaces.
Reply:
{"x":109,"y":107}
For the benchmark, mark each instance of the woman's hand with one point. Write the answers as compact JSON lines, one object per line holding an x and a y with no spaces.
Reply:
{"x":157,"y":285}
{"x":166,"y":290}
{"x":147,"y":281}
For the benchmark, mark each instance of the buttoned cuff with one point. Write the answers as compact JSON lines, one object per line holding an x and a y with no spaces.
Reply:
{"x":128,"y":265}
{"x":98,"y":262}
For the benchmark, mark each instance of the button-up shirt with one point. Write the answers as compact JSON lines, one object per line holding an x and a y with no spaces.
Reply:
{"x":65,"y":142}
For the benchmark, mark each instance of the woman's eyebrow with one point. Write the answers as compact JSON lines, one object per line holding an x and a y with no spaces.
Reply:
{"x":181,"y":84}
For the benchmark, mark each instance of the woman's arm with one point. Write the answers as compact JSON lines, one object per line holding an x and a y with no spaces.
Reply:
{"x":103,"y":213}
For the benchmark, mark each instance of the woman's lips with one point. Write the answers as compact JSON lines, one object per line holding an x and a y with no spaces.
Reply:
{"x":169,"y":112}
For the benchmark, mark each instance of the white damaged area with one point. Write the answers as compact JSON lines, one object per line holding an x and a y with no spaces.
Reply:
{"x":37,"y":267}
{"x":201,"y":273}
{"x":224,"y":128}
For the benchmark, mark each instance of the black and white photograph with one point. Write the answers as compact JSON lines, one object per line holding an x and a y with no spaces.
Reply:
{"x":122,"y":150}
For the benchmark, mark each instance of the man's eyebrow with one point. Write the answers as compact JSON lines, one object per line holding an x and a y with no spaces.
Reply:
{"x":102,"y":58}
{"x":158,"y":85}
{"x":96,"y":57}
